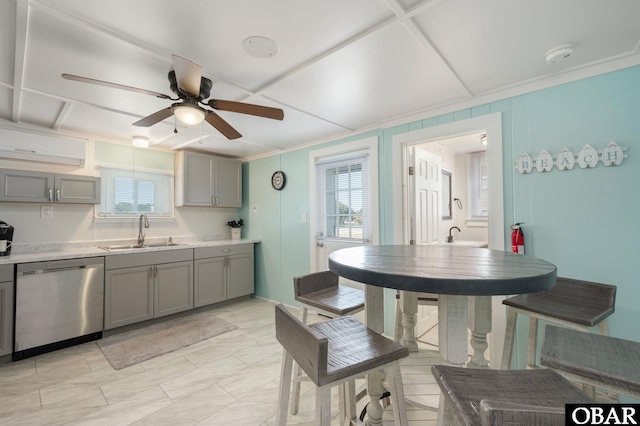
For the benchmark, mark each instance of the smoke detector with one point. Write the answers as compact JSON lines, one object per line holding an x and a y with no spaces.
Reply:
{"x":559,"y":53}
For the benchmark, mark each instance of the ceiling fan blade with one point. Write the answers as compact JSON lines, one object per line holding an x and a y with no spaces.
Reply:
{"x":154,"y":118}
{"x":223,"y":127}
{"x":188,"y":75}
{"x":114,"y":85}
{"x":243,"y":108}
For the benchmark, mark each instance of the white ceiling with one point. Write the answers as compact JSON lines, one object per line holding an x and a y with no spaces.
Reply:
{"x":342,"y":66}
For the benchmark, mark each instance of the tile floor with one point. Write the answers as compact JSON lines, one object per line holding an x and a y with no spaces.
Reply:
{"x":231,"y":379}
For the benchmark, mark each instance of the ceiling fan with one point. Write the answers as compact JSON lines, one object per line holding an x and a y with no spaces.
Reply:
{"x":192,"y":89}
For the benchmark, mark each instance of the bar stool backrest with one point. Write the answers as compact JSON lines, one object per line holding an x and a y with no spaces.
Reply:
{"x":313,"y":282}
{"x":306,"y":346}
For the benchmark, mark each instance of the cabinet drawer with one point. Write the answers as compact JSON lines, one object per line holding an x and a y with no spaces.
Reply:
{"x":216,"y":251}
{"x":118,"y":261}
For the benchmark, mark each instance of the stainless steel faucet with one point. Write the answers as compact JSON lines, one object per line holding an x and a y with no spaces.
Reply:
{"x":450,"y":237}
{"x":143,"y":217}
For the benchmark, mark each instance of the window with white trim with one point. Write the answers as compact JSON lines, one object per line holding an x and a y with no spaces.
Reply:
{"x":127,"y":193}
{"x":477,"y":185}
{"x":343,"y":188}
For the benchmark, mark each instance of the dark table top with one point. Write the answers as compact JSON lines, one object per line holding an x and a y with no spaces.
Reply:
{"x":444,"y":269}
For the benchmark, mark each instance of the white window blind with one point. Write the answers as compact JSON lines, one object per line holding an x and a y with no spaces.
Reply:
{"x":344,"y":202}
{"x":131,"y":193}
{"x":477,"y":185}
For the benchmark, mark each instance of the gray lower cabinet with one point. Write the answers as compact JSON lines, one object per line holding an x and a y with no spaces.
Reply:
{"x":40,"y":187}
{"x":222,"y":273}
{"x":6,"y":309}
{"x":142,"y":286}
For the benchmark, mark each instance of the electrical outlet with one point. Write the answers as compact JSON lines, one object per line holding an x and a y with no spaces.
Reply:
{"x":254,"y":208}
{"x":46,"y":212}
{"x":209,"y":215}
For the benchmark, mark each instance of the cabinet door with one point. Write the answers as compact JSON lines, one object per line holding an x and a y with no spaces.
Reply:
{"x":26,"y":186}
{"x":227,"y":182}
{"x":128,"y":296}
{"x":198,"y":190}
{"x":240,"y":275}
{"x":6,"y":317}
{"x":173,"y":288}
{"x":210,"y":281}
{"x":74,"y":189}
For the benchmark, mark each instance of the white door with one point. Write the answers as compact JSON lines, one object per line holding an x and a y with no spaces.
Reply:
{"x":427,"y":185}
{"x":344,"y":201}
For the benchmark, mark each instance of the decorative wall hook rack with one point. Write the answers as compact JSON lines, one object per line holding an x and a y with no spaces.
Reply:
{"x":587,"y":157}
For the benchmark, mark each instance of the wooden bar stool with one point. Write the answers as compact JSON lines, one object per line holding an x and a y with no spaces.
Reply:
{"x":474,"y":396}
{"x":430,"y":299}
{"x":333,"y":353}
{"x":593,"y":360}
{"x":321,"y":292}
{"x":570,"y":303}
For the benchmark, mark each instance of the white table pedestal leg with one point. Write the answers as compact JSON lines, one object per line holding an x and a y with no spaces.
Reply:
{"x":374,"y":313}
{"x":452,"y":329}
{"x":409,"y":303}
{"x":480,"y":326}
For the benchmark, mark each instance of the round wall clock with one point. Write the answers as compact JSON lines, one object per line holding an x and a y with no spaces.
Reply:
{"x":278,"y":179}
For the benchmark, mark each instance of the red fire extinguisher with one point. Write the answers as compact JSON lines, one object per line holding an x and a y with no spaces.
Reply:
{"x":517,"y":239}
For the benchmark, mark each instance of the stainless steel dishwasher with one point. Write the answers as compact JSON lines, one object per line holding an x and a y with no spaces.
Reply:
{"x":58,"y":304}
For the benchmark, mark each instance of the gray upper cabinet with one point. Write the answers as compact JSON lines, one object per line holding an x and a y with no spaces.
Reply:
{"x":41,"y":187}
{"x":207,"y":180}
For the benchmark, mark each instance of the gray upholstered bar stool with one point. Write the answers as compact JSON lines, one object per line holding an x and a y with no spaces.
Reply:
{"x":334,"y":353}
{"x":570,"y":303}
{"x":602,"y":361}
{"x":430,"y":299}
{"x":321,"y":292}
{"x":474,"y":397}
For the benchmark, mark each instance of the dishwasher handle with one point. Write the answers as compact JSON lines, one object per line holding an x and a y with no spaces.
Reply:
{"x":48,"y":270}
{"x":58,"y":265}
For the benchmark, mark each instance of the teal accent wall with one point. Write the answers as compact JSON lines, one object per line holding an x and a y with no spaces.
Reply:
{"x":585,"y":221}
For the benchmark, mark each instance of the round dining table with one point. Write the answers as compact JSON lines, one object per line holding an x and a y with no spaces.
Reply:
{"x":452,"y":272}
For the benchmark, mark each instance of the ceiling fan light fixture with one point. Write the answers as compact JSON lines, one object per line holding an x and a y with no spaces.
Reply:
{"x":140,"y":142}
{"x":189,"y":114}
{"x":558,"y":53}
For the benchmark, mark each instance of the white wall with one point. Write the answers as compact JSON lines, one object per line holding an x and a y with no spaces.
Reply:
{"x":77,"y":223}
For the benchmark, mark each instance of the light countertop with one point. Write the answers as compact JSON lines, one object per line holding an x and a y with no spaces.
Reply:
{"x":58,"y":251}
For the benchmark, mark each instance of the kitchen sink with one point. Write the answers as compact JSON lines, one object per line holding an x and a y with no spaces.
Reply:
{"x":136,"y":246}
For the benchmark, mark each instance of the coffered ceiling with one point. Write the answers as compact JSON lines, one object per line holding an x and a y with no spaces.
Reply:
{"x":342,"y":66}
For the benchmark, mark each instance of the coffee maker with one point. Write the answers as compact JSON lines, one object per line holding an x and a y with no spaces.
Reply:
{"x":6,"y":234}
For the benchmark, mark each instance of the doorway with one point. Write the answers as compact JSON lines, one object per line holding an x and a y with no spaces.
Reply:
{"x":491,"y":125}
{"x":447,"y":195}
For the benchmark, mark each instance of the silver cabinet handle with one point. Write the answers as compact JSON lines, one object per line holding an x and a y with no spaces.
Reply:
{"x":155,"y":272}
{"x":50,"y":194}
{"x":57,"y":195}
{"x":226,"y":250}
{"x":150,"y":272}
{"x":319,"y":243}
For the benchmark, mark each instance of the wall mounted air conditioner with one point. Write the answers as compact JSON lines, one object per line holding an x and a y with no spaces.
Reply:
{"x":25,"y":146}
